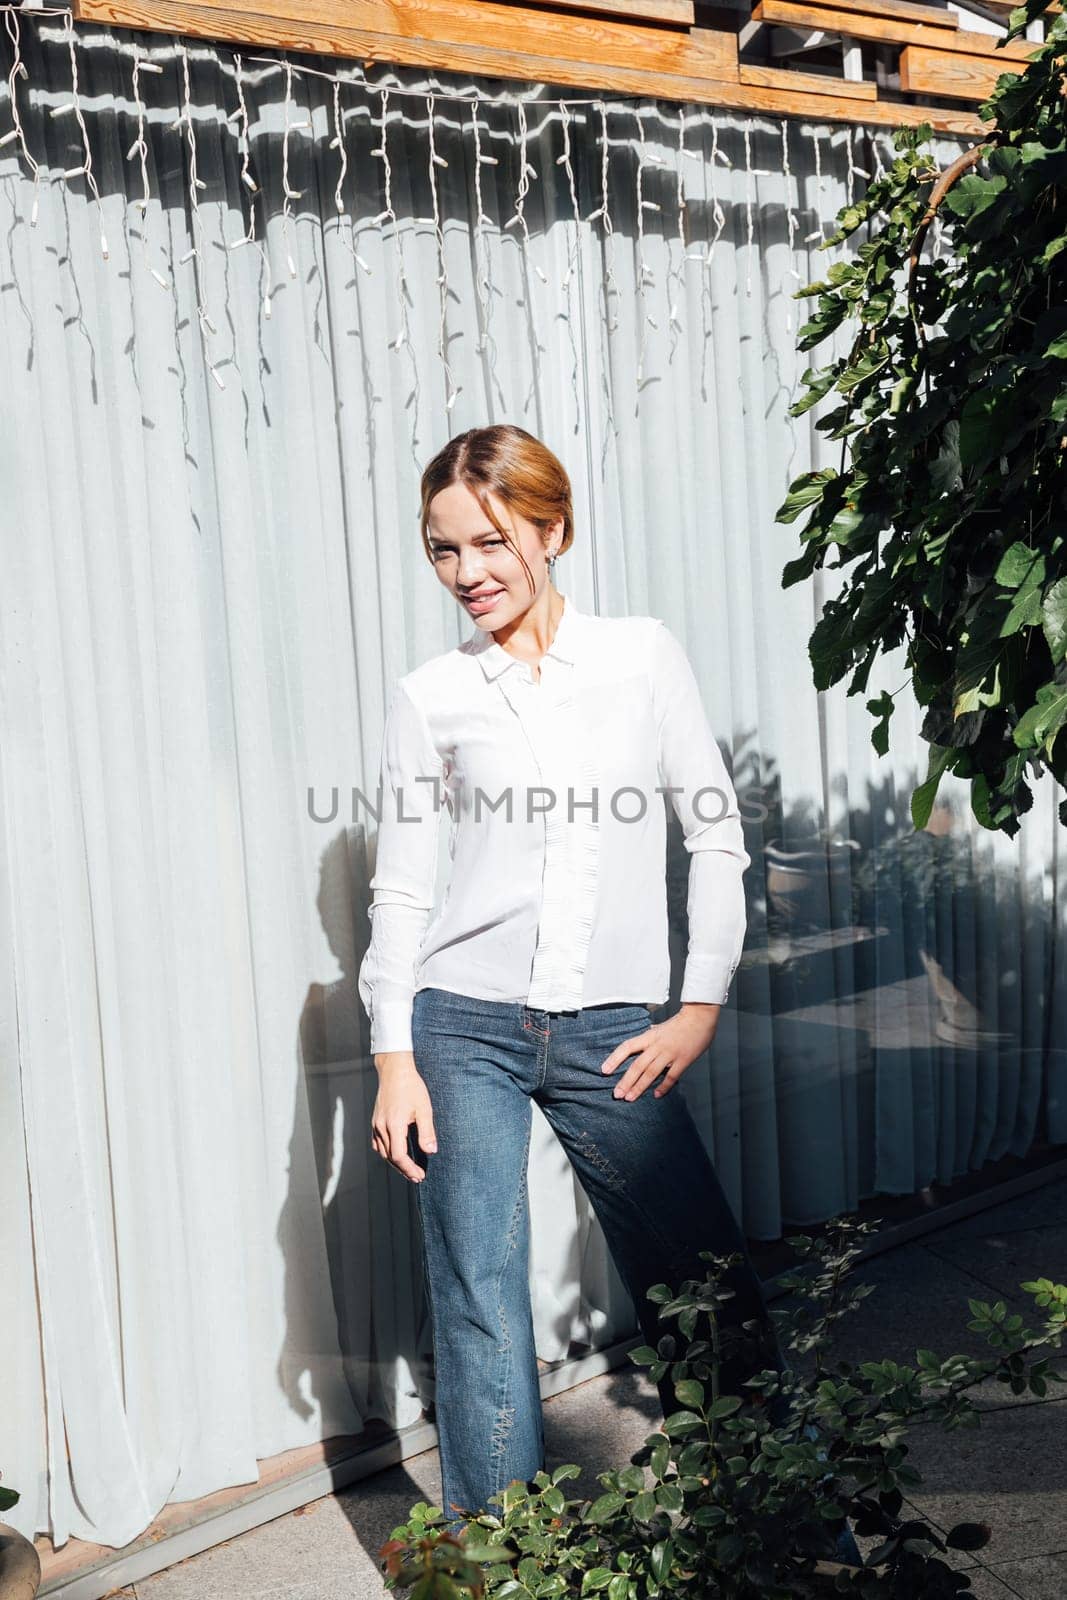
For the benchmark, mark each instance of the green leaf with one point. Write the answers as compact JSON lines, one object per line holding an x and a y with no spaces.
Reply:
{"x":725,"y":1406}
{"x":1020,"y":564}
{"x":982,"y":425}
{"x":660,"y":1558}
{"x":605,"y":1506}
{"x":619,"y":1587}
{"x":802,"y":567}
{"x":643,"y":1506}
{"x":681,"y":1422}
{"x":804,"y":491}
{"x":1040,"y":725}
{"x":689,"y":1392}
{"x":882,"y":709}
{"x":972,"y":194}
{"x":922,"y":800}
{"x":1054,"y":619}
{"x":818,"y":384}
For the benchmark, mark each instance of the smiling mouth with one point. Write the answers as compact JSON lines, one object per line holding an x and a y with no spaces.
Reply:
{"x":482,"y":602}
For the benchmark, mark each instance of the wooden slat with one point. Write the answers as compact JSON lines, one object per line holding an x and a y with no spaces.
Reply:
{"x":701,"y":85}
{"x":888,"y":30}
{"x":950,"y":77}
{"x":807,"y":82}
{"x":905,"y":10}
{"x":680,"y":13}
{"x":483,"y":24}
{"x":1007,"y":6}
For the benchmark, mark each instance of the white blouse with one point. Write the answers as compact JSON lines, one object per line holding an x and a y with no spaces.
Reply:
{"x":558,"y":828}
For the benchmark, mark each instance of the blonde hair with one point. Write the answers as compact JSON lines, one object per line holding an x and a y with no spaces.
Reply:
{"x":512,"y":464}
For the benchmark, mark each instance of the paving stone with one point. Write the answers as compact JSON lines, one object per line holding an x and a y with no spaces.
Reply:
{"x":599,"y":1424}
{"x":1004,"y":1261}
{"x":986,"y":1584}
{"x":920,"y":1301}
{"x":312,"y":1554}
{"x":1041,"y":1578}
{"x":1007,"y":1473}
{"x":1038,"y":1208}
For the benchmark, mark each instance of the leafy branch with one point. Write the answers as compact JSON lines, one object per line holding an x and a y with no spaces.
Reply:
{"x":949,"y":507}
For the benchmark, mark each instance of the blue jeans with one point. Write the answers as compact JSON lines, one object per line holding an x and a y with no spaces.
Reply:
{"x":641,"y":1162}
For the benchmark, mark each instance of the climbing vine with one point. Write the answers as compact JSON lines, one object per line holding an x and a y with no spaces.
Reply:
{"x":950,"y":501}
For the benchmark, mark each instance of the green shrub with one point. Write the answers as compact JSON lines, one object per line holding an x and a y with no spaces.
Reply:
{"x":739,"y":1497}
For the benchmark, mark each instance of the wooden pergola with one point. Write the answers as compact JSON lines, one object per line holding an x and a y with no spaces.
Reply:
{"x":873,"y":62}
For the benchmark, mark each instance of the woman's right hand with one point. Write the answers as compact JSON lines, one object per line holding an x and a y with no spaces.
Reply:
{"x":403,"y":1099}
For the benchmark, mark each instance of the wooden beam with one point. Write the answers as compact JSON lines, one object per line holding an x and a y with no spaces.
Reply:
{"x":700,"y":66}
{"x":678,"y":13}
{"x":889,"y":30}
{"x":904,"y":10}
{"x":951,"y":77}
{"x":1007,"y":6}
{"x":488,"y":25}
{"x":807,"y":82}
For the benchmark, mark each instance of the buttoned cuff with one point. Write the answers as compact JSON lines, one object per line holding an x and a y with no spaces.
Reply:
{"x":390,"y":1027}
{"x":707,"y":980}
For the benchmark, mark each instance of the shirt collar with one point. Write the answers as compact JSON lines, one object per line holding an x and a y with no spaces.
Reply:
{"x":565,"y":645}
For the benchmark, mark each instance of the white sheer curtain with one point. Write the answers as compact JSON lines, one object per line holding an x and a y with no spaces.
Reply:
{"x":212,"y":576}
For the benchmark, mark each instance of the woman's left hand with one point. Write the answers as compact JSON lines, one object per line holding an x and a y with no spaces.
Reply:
{"x":663,"y":1051}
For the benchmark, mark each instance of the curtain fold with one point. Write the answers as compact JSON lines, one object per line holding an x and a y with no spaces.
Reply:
{"x":212,"y":577}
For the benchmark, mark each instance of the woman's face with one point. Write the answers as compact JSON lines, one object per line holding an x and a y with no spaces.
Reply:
{"x":476,"y":565}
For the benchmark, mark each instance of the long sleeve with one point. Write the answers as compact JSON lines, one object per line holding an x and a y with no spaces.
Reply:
{"x":703,"y":797}
{"x":412,"y":796}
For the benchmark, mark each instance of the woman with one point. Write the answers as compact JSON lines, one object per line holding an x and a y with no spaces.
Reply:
{"x":550,"y":736}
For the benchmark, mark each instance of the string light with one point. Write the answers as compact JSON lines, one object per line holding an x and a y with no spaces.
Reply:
{"x":718,"y":214}
{"x":196,"y":183}
{"x":454,"y":390}
{"x":677,"y":270}
{"x":748,"y":206}
{"x":75,"y":106}
{"x":574,"y":253}
{"x":403,"y":293}
{"x":481,"y":245}
{"x":526,"y":172}
{"x":816,"y":233}
{"x":791,"y":216}
{"x":296,"y":119}
{"x":850,"y":186}
{"x":18,"y":70}
{"x":139,"y":148}
{"x":604,"y":211}
{"x":289,"y":193}
{"x":338,"y":143}
{"x":644,"y":270}
{"x":879,"y":169}
{"x":240,"y":115}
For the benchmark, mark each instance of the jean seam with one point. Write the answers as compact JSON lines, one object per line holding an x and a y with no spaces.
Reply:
{"x":505,"y":1414}
{"x":542,"y":1064}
